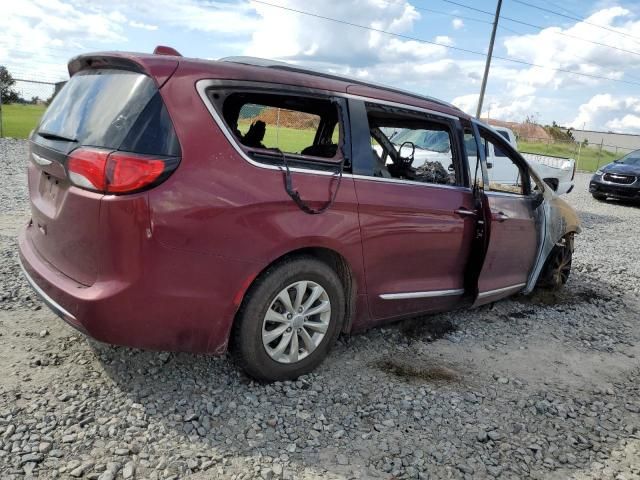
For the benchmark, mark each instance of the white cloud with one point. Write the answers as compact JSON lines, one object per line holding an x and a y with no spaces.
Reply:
{"x":286,"y":35}
{"x":457,"y":23}
{"x":36,"y":34}
{"x":467,"y":103}
{"x":212,"y":16}
{"x":496,"y":107}
{"x":568,"y":53}
{"x":144,"y":26}
{"x":609,"y":112}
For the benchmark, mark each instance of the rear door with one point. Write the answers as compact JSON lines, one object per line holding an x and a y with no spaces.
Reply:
{"x":512,"y":227}
{"x":416,"y":220}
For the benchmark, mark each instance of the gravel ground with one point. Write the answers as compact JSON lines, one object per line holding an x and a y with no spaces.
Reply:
{"x":541,"y":387}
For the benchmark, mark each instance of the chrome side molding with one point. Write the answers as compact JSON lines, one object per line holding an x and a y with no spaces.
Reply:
{"x":429,"y":294}
{"x":498,"y":291}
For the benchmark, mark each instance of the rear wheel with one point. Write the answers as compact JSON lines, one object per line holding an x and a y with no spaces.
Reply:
{"x":557,"y":268}
{"x":290,"y":319}
{"x":599,"y":196}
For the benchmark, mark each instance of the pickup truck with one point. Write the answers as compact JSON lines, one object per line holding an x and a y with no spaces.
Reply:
{"x":557,"y":172}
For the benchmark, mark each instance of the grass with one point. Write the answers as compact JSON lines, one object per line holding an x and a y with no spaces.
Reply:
{"x":18,"y":120}
{"x":291,"y":140}
{"x":590,"y":157}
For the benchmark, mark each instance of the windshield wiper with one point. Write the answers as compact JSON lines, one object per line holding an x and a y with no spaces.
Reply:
{"x":55,"y":136}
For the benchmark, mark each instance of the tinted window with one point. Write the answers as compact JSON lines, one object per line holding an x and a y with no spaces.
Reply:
{"x":113,"y":109}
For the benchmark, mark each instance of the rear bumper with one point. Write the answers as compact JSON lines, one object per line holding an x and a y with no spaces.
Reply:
{"x":621,"y":191}
{"x":50,"y":302}
{"x":178,"y":304}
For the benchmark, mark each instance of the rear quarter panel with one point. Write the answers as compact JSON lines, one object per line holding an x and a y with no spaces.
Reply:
{"x":219,"y":206}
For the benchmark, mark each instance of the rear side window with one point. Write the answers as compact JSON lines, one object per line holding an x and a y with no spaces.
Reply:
{"x":288,"y":130}
{"x":114,"y":109}
{"x":306,"y":129}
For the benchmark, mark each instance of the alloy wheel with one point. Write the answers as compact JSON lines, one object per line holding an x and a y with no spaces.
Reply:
{"x":296,"y":321}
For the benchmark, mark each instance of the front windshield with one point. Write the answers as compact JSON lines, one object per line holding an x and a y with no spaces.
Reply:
{"x":433,"y":140}
{"x":632,"y":158}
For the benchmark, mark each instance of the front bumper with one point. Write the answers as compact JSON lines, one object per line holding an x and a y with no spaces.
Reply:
{"x":599,"y":186}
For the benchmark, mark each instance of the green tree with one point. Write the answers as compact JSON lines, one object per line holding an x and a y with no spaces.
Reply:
{"x":9,"y":95}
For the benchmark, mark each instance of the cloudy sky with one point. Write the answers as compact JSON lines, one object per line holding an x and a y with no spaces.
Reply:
{"x":38,"y":37}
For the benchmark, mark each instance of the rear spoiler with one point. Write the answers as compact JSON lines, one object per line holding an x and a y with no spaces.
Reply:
{"x":158,"y":67}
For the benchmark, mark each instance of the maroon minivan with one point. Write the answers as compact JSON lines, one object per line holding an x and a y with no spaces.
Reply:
{"x":191,"y":205}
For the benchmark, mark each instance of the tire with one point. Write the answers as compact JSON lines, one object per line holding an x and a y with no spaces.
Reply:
{"x":258,"y":341}
{"x":557,"y":268}
{"x":599,"y":197}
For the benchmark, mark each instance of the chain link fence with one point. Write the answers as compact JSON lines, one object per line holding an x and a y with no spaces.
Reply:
{"x":588,"y":157}
{"x":288,"y":130}
{"x":22,"y":103}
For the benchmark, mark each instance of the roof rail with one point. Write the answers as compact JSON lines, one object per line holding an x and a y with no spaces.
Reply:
{"x":275,"y":64}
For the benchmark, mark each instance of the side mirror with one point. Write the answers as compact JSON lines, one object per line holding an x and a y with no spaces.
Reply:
{"x":537,"y":199}
{"x":552,"y":182}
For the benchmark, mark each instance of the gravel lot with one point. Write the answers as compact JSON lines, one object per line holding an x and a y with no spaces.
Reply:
{"x":542,"y":387}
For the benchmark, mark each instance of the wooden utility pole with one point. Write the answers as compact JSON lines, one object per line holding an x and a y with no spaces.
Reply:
{"x":489,"y":55}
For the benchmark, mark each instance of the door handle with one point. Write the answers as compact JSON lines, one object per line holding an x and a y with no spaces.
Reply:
{"x":499,"y":216}
{"x":465,"y":212}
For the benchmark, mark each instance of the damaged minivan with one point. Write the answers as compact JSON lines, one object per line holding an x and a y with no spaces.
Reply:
{"x":252,"y":206}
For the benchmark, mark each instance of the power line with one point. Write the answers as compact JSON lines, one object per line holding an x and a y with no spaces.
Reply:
{"x":582,"y":20}
{"x":373,"y":29}
{"x":561,"y":8}
{"x":569,"y":35}
{"x":440,"y":12}
{"x":582,"y":59}
{"x":539,"y":27}
{"x":451,"y":47}
{"x":469,"y":7}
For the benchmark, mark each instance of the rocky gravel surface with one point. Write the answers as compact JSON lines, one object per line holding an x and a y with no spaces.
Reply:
{"x":532,"y":387}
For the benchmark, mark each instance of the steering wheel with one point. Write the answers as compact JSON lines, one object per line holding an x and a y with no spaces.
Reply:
{"x":406,"y":160}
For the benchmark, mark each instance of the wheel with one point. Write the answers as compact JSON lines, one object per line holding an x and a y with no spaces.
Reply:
{"x":289,"y":320}
{"x":599,"y":197}
{"x":557,"y":268}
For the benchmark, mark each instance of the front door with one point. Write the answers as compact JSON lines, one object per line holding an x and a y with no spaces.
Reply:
{"x":512,"y":227}
{"x":416,"y":215}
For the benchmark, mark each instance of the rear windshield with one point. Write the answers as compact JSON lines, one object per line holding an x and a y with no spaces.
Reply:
{"x":114,"y":109}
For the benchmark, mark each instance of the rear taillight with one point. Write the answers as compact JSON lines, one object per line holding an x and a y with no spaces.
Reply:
{"x":116,"y":172}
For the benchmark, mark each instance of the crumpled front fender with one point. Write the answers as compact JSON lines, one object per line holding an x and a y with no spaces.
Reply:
{"x":555,"y":219}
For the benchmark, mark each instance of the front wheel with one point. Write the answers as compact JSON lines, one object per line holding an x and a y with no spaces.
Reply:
{"x":289,"y":320}
{"x":557,"y":268}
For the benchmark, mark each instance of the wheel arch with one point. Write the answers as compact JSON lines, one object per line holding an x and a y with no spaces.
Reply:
{"x":330,"y":257}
